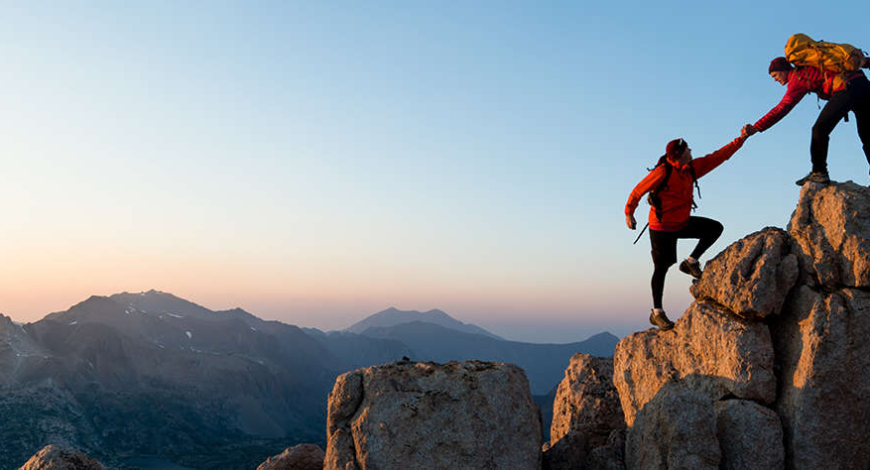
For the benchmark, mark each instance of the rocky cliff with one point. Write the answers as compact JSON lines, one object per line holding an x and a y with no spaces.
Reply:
{"x":768,"y":367}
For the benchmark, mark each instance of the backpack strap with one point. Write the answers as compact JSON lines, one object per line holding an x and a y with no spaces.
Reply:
{"x":655,"y":201}
{"x":695,"y":181}
{"x":653,"y":198}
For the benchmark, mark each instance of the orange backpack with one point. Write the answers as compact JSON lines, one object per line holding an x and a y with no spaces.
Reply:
{"x":841,"y":59}
{"x":802,"y":50}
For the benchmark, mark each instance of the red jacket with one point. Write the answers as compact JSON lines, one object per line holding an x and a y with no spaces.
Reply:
{"x":676,"y":196}
{"x":803,"y":80}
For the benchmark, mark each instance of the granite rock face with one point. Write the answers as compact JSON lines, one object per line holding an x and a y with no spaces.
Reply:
{"x":53,"y":457}
{"x":300,"y":457}
{"x":824,"y":353}
{"x":710,"y":351}
{"x":831,"y":225}
{"x":820,"y":338}
{"x":587,"y":401}
{"x":427,"y":415}
{"x":752,"y":277}
{"x":568,"y":453}
{"x":676,"y":429}
{"x":572,"y":452}
{"x":750,"y":436}
{"x":610,"y":456}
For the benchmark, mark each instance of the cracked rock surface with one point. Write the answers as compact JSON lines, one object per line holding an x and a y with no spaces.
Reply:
{"x":831,"y":225}
{"x":710,"y":351}
{"x":752,"y":277}
{"x":426,"y":415}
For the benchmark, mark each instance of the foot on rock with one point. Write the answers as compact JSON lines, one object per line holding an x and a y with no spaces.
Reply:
{"x":690,"y":268}
{"x":658,"y":318}
{"x":814,"y":177}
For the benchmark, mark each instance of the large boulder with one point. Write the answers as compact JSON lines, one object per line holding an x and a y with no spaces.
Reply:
{"x":53,"y":457}
{"x":831,"y":224}
{"x":823,"y":351}
{"x":675,"y":430}
{"x":750,"y":436}
{"x":586,"y":401}
{"x":752,"y":276}
{"x":426,"y":415}
{"x":709,"y":350}
{"x":300,"y":457}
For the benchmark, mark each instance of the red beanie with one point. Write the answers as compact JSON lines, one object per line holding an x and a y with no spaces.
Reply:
{"x":676,"y":148}
{"x":779,"y":64}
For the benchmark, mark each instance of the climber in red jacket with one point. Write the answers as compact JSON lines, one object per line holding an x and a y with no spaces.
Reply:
{"x":850,"y":94}
{"x":671,"y":200}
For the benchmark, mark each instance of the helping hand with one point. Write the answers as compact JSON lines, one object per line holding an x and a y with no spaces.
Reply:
{"x":748,"y":130}
{"x":629,"y":220}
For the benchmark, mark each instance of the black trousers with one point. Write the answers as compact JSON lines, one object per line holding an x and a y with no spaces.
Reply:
{"x":664,"y":249}
{"x":855,"y":98}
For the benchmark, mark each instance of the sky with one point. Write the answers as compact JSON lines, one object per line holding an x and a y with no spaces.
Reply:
{"x":316,"y":162}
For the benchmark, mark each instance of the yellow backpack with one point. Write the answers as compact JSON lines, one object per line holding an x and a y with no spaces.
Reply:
{"x":801,"y":50}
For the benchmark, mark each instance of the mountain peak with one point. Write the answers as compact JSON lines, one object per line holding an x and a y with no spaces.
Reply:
{"x":163,"y":302}
{"x":393,"y":316}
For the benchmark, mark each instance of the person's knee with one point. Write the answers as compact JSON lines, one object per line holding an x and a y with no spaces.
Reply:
{"x":717,"y":228}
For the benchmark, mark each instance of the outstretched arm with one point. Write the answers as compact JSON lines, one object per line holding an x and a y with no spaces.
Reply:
{"x":706,"y":163}
{"x":795,"y":93}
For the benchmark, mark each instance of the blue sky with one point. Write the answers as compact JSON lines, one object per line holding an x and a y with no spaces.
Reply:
{"x":316,"y":162}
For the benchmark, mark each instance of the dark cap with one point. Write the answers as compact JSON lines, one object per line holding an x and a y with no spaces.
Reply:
{"x":676,"y":148}
{"x":779,"y":64}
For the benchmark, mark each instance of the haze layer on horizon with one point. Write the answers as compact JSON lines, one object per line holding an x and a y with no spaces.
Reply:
{"x":315,"y":163}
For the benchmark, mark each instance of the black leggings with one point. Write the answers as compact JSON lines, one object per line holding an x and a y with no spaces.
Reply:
{"x":664,"y":249}
{"x":855,"y":98}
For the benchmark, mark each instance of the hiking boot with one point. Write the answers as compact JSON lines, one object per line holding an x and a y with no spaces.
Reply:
{"x":659,"y":319}
{"x":692,"y":269}
{"x":814,"y":177}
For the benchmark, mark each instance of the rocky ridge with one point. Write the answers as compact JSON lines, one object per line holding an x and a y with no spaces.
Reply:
{"x":766,"y":369}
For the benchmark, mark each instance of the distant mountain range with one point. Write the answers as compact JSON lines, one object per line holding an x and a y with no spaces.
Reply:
{"x":393,"y":317}
{"x":544,"y":363}
{"x":153,"y":374}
